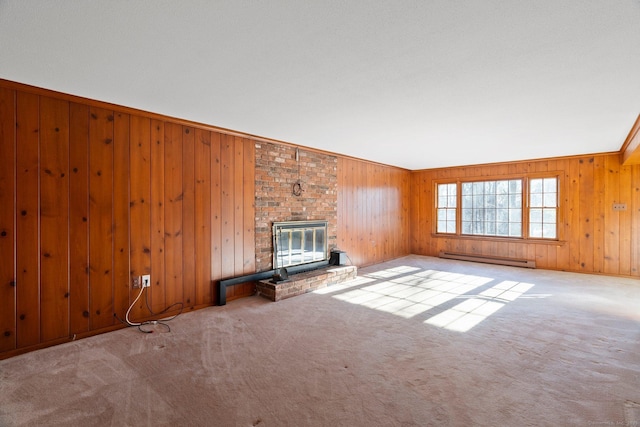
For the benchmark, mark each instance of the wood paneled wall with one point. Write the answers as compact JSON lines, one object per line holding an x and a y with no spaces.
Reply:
{"x":92,"y":196}
{"x":373,"y":211}
{"x":594,"y":237}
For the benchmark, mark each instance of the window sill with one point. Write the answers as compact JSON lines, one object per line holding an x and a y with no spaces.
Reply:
{"x":555,"y":242}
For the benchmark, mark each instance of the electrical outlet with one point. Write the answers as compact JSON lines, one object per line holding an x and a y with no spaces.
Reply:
{"x":146,"y":280}
{"x":619,"y":206}
{"x":136,"y":282}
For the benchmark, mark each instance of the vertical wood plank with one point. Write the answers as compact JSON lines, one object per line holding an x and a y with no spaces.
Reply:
{"x":573,"y":220}
{"x":54,"y":220}
{"x":352,"y":223}
{"x":173,"y":213}
{"x":390,"y":209}
{"x":418,"y":198}
{"x":354,"y":220}
{"x":384,"y":197}
{"x":344,"y":211}
{"x":356,"y":208}
{"x":404,"y":195}
{"x":390,"y":204}
{"x":586,"y":213}
{"x":368,"y":245}
{"x":625,"y":216}
{"x":248,"y":232}
{"x":78,"y":218}
{"x":227,"y":206}
{"x":216,"y":210}
{"x":140,"y":209}
{"x":599,"y":173}
{"x":188,"y":218}
{"x":541,"y":255}
{"x":364,"y":211}
{"x":27,"y":221}
{"x":552,"y":257}
{"x":521,"y":249}
{"x":343,"y":200}
{"x":101,"y":217}
{"x":7,"y":220}
{"x":121,"y":235}
{"x":340,"y":218}
{"x":373,"y":197}
{"x":540,"y":166}
{"x":426,"y":209}
{"x":611,"y":217}
{"x":202,"y":212}
{"x":350,"y":244}
{"x":158,"y":280}
{"x":370,"y":196}
{"x":360,"y":211}
{"x":563,"y":251}
{"x":406,"y":226}
{"x":238,"y":206}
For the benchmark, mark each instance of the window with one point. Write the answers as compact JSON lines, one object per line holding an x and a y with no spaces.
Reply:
{"x":447,"y":201}
{"x":543,"y":208}
{"x":492,"y":208}
{"x":519,"y":207}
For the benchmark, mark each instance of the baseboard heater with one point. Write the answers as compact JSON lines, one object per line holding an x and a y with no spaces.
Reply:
{"x":488,"y":259}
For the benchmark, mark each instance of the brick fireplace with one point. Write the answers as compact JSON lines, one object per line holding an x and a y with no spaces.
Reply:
{"x":293,"y":185}
{"x":278,"y":169}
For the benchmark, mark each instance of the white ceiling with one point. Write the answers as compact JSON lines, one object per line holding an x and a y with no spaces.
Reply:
{"x":416,"y":84}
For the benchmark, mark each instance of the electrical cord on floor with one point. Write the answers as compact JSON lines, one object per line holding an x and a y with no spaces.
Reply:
{"x":152,"y":322}
{"x":140,"y":325}
{"x":158,"y":322}
{"x":181,"y":304}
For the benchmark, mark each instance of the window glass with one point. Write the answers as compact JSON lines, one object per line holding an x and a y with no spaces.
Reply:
{"x":446,"y":210}
{"x":543,"y":202}
{"x":492,"y":208}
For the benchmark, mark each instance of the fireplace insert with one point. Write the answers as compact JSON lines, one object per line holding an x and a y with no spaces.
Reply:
{"x":299,"y":242}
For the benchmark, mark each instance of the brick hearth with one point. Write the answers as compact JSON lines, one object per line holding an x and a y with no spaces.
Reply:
{"x":309,"y":281}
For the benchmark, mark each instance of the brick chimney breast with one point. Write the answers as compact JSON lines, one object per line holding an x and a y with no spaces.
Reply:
{"x":277,"y":171}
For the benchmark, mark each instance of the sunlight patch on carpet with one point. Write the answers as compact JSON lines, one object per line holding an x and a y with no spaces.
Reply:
{"x":409,"y":291}
{"x":471,"y":312}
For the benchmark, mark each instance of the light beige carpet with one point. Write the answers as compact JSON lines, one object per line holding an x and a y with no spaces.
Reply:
{"x":417,"y":341}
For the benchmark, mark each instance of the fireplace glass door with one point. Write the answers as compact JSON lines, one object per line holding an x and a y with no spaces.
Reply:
{"x":299,"y":242}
